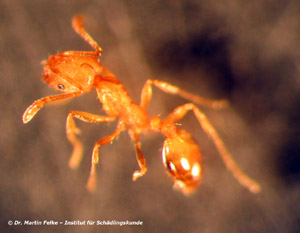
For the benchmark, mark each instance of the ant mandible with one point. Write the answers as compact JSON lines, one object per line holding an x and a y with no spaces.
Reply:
{"x":77,"y":72}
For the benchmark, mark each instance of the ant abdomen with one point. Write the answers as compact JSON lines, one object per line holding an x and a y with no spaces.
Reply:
{"x":182,"y":158}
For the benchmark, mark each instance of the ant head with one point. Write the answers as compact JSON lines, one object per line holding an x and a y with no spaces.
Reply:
{"x":182,"y":158}
{"x":69,"y":73}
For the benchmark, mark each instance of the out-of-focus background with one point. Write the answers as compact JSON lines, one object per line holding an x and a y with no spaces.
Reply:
{"x":247,"y":52}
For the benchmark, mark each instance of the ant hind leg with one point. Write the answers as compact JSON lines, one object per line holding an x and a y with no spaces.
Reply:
{"x":231,"y":165}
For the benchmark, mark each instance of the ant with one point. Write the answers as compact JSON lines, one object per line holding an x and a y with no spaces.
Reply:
{"x":78,"y":72}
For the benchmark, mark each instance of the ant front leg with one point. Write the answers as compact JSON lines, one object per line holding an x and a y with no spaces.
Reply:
{"x":169,"y":88}
{"x":139,"y":156}
{"x":71,"y":130}
{"x":38,"y":104}
{"x":91,"y":185}
{"x":231,"y":165}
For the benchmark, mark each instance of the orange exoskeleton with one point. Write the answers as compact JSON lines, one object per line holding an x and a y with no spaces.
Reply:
{"x":78,"y":72}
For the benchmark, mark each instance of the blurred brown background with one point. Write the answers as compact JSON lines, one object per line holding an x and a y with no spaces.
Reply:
{"x":246,"y":52}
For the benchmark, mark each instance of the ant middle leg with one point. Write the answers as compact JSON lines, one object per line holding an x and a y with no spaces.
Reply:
{"x":139,"y":156}
{"x":231,"y":165}
{"x":91,"y":184}
{"x":171,"y":89}
{"x":72,"y":130}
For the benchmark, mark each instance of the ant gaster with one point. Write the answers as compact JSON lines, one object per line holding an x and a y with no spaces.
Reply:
{"x":78,"y":72}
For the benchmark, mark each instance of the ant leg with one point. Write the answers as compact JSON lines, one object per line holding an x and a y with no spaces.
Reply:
{"x":77,"y":23}
{"x":169,"y":88}
{"x":139,"y":156}
{"x":231,"y":165}
{"x":71,"y":130}
{"x":38,"y":104}
{"x":91,"y":184}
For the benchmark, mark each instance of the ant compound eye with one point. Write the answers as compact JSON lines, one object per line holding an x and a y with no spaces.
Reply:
{"x":61,"y":86}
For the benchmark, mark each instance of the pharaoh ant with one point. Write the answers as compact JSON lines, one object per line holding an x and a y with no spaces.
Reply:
{"x":78,"y":72}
